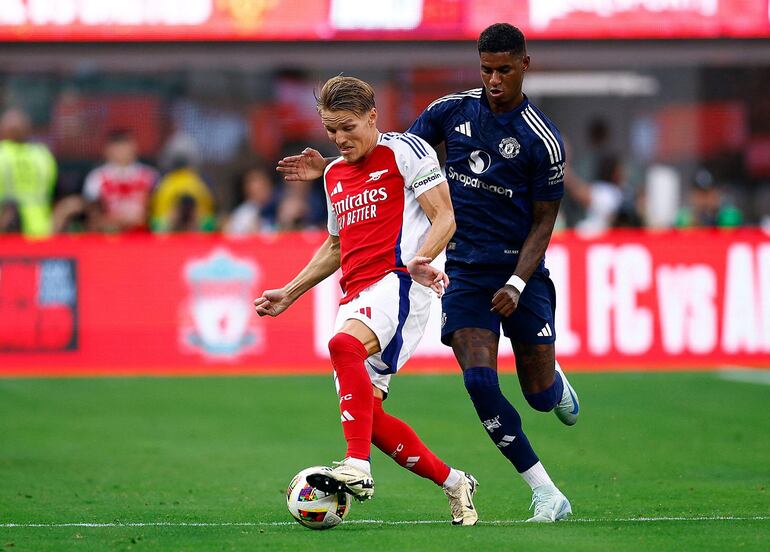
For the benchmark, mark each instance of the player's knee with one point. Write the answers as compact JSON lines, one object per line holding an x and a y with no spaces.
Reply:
{"x":336,"y":344}
{"x":545,"y":401}
{"x":342,"y":344}
{"x":481,"y":381}
{"x":378,"y":414}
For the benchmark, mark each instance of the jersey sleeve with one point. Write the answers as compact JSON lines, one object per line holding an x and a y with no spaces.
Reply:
{"x":418,"y":164}
{"x":331,"y":220}
{"x":92,"y":189}
{"x":548,"y":168}
{"x":428,"y":126}
{"x":331,"y":217}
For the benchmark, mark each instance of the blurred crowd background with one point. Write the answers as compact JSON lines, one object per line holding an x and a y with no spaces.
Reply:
{"x":185,"y":138}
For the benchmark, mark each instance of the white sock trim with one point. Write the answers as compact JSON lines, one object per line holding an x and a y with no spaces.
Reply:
{"x":536,"y":476}
{"x":453,"y":478}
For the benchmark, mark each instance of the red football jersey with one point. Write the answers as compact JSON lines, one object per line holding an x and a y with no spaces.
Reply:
{"x":121,"y":190}
{"x":373,"y":208}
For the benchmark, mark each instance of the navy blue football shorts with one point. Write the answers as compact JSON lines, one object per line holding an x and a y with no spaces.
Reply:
{"x":468,"y":300}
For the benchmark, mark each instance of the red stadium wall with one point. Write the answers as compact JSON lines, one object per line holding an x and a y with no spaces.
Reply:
{"x":182,"y":304}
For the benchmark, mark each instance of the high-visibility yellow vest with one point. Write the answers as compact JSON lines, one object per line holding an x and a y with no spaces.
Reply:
{"x":28,"y":176}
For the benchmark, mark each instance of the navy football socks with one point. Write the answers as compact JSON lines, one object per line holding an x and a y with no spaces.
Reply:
{"x":500,"y":419}
{"x":546,"y":400}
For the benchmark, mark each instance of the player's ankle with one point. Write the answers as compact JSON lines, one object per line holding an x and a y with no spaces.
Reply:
{"x":547,"y":399}
{"x":360,"y":464}
{"x":536,"y":476}
{"x":452,"y":479}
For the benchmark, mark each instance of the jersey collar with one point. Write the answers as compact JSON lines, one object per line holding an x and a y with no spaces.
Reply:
{"x":508,"y":114}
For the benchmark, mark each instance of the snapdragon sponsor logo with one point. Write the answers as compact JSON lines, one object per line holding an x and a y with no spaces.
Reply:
{"x":479,"y":161}
{"x":474,"y":182}
{"x":358,"y":207}
{"x":422,"y":180}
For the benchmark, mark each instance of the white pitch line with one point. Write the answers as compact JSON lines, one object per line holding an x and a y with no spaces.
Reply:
{"x":758,"y":376}
{"x":377,"y":522}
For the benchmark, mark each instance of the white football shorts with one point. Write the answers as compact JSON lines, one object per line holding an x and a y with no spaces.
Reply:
{"x":396,"y":309}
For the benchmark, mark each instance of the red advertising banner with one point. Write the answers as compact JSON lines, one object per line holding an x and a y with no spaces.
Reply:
{"x":182,"y":304}
{"x":290,"y":20}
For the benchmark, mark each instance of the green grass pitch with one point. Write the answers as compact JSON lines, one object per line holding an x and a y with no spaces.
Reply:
{"x":657,"y":461}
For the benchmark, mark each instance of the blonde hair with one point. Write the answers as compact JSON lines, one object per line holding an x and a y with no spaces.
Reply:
{"x":346,"y":94}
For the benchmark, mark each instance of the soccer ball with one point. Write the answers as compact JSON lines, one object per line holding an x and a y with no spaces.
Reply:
{"x":312,"y":507}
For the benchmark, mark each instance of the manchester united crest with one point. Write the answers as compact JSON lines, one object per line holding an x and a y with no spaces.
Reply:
{"x":509,"y":148}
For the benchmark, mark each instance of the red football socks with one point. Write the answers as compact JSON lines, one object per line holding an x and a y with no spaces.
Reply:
{"x":364,"y":421}
{"x":399,"y":441}
{"x":355,"y":389}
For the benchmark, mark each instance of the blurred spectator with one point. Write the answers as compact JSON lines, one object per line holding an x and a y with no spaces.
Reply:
{"x":292,"y":213}
{"x":257,"y":213}
{"x":311,"y":193}
{"x":217,"y":131}
{"x":118,"y":192}
{"x":69,"y":215}
{"x":604,"y":199}
{"x":301,"y":206}
{"x":10,"y":218}
{"x":631,"y":212}
{"x":598,"y":140}
{"x":707,"y":205}
{"x":185,"y":215}
{"x":609,"y":202}
{"x":180,"y":143}
{"x":182,"y":201}
{"x":570,"y":210}
{"x":27,"y":174}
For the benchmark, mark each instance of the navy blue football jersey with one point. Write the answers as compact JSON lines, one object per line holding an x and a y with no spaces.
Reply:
{"x":496,"y":166}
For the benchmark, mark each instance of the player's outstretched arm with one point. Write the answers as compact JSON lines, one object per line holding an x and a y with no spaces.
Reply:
{"x":544,"y":214}
{"x":308,"y":165}
{"x":437,"y":205}
{"x":324,"y":263}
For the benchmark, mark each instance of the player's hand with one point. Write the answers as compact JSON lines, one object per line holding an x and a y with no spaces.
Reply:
{"x":272,"y":303}
{"x":505,"y":301}
{"x":429,"y":276}
{"x":308,"y":165}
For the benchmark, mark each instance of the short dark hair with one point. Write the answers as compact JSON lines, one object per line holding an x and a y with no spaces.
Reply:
{"x":502,"y":37}
{"x":607,"y":167}
{"x":119,"y":135}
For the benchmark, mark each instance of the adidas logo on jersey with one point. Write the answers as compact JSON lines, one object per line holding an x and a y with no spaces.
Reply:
{"x":337,"y":189}
{"x":546,"y":331}
{"x":464,"y":128}
{"x":376,"y":175}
